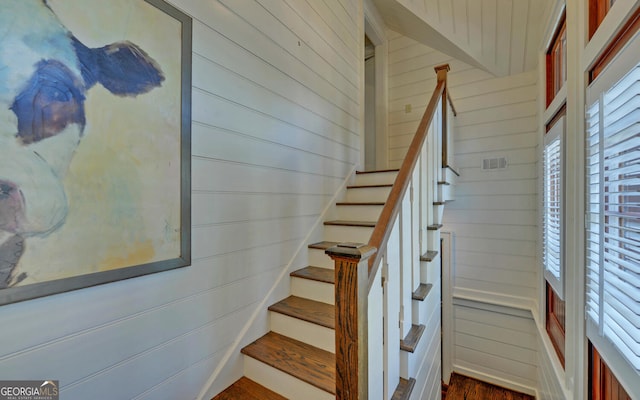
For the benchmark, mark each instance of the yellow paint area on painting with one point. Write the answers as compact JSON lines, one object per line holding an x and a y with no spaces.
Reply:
{"x":140,"y":253}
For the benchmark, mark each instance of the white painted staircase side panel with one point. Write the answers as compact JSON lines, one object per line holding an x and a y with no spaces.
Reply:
{"x":281,"y":382}
{"x":411,"y":362}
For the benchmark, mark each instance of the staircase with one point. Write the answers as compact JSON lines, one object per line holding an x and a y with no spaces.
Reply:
{"x":384,"y":336}
{"x":296,"y":358}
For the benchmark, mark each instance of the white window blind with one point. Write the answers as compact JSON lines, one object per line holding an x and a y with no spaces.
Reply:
{"x":553,"y":207}
{"x":613,"y":207}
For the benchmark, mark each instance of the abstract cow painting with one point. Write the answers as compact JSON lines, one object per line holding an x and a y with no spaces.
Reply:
{"x":91,"y":145}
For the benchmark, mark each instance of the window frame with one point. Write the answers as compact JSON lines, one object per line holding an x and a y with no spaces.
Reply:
{"x":556,"y":60}
{"x":616,"y":66}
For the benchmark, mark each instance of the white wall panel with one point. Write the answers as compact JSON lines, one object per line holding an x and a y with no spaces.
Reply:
{"x":276,"y":119}
{"x":496,"y":344}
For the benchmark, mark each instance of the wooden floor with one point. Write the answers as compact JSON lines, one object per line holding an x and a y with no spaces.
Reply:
{"x":464,"y":388}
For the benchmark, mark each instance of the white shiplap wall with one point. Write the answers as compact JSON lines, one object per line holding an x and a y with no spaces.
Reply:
{"x":496,"y":344}
{"x":276,"y":125}
{"x":494,"y":215}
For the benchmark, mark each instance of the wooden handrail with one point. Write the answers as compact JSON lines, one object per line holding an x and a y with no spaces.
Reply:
{"x":382,"y":230}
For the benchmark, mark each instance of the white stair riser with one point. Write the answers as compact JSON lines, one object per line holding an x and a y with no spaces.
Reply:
{"x":445,"y":192}
{"x":430,"y":270}
{"x":307,"y":332}
{"x":356,"y":234}
{"x":318,"y":258}
{"x":433,"y":239}
{"x":368,"y":194}
{"x":313,"y":290}
{"x":378,"y":178}
{"x":449,"y":176}
{"x":422,"y":309}
{"x":358,"y":213}
{"x":281,"y":382}
{"x":438,"y":212}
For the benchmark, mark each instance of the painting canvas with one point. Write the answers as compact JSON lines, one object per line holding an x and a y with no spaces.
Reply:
{"x":94,"y":143}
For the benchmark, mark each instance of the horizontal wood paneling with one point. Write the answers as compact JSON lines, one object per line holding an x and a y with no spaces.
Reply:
{"x":276,"y":122}
{"x":496,"y":343}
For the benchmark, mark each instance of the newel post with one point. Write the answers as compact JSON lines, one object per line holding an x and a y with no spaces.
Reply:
{"x":351,"y":292}
{"x":441,"y":73}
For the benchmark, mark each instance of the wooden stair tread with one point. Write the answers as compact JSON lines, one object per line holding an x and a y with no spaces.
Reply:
{"x":246,"y":389}
{"x":434,"y":227}
{"x":318,"y":313}
{"x":429,"y":256}
{"x":305,"y":362}
{"x":364,"y":203}
{"x":377,"y":171}
{"x":339,"y":222}
{"x":369,"y":186}
{"x":439,"y":203}
{"x":325,"y":275}
{"x":322,"y":245}
{"x":443,"y":183}
{"x":422,"y":291}
{"x":404,"y":389}
{"x":410,"y":342}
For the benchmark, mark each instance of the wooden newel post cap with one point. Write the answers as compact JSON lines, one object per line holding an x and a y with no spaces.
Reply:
{"x":356,"y":251}
{"x":441,"y":71}
{"x":444,"y":67}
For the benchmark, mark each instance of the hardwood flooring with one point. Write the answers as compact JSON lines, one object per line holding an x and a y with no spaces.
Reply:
{"x":465,"y":388}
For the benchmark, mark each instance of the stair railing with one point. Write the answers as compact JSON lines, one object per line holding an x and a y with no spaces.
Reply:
{"x":367,"y":333}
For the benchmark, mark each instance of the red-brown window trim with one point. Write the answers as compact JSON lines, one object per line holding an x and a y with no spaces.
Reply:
{"x":551,"y":60}
{"x":561,"y":113}
{"x":597,"y":11}
{"x":555,"y":322}
{"x":603,"y":385}
{"x":628,"y":30}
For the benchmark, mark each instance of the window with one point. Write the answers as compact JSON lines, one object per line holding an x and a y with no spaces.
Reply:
{"x":552,"y":226}
{"x":557,"y":61}
{"x":613,"y":210}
